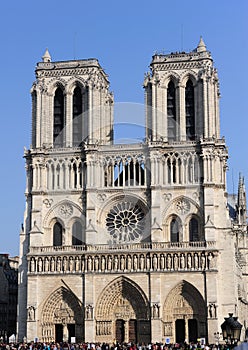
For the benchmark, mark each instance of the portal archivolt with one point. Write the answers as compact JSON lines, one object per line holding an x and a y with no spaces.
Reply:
{"x":122,"y":312}
{"x":62,"y":316}
{"x":184,"y":314}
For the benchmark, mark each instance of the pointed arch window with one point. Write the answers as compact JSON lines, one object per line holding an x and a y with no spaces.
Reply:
{"x":77,"y":233}
{"x":194,"y":234}
{"x":190,"y":111}
{"x":171,"y":111}
{"x":58,"y":118}
{"x":77,"y":117}
{"x":174,"y":230}
{"x":57,"y":234}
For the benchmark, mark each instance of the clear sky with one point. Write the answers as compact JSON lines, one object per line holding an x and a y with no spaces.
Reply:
{"x":123,"y":35}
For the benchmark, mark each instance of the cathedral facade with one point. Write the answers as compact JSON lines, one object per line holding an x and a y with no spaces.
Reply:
{"x":129,"y":242}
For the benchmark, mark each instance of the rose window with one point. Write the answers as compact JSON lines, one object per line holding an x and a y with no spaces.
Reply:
{"x":125,"y":222}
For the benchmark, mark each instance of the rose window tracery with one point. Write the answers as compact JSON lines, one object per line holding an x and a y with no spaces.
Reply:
{"x":183,"y":206}
{"x":125,"y":222}
{"x":66,"y":210}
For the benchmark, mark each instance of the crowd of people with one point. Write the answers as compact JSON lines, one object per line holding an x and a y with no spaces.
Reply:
{"x":114,"y":346}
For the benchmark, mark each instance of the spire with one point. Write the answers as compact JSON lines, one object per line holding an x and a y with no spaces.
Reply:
{"x":241,"y":202}
{"x":201,"y":46}
{"x":46,"y":57}
{"x":241,"y":191}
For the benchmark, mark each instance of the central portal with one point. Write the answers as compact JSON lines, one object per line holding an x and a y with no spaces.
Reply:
{"x":122,"y":313}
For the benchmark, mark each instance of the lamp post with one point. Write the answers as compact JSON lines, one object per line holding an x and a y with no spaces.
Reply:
{"x":231,"y":330}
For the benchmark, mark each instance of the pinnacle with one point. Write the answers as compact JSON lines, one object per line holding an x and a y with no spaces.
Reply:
{"x":46,"y":57}
{"x":201,"y":46}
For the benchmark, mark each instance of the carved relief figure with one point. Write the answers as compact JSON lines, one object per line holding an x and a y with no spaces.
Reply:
{"x":162,"y":262}
{"x":103,"y":263}
{"x":168,"y":261}
{"x":96,"y":263}
{"x":196,"y":261}
{"x":77,"y":263}
{"x":135,"y":262}
{"x":189,"y":261}
{"x":175,"y":262}
{"x":182,"y":261}
{"x":32,"y":265}
{"x":154,"y":262}
{"x":52,"y":265}
{"x":116,"y":263}
{"x":31,"y":313}
{"x":142,"y":262}
{"x":122,"y":267}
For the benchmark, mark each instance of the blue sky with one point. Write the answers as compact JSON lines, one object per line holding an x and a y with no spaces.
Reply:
{"x":123,"y":35}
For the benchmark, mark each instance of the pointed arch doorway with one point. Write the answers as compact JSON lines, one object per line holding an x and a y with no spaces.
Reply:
{"x":62,"y":317}
{"x":123,"y":313}
{"x":184,"y":314}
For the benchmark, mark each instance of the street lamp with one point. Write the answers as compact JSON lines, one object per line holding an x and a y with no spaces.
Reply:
{"x":231,"y":329}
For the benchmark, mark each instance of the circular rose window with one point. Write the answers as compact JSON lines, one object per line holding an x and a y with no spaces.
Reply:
{"x":125,"y":222}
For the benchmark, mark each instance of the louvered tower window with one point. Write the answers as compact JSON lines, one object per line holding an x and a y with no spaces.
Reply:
{"x":171,"y":111}
{"x":190,"y":111}
{"x":77,"y":117}
{"x":57,"y":234}
{"x":58,"y":118}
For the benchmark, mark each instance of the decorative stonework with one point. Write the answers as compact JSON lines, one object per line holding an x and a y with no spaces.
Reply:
{"x":66,"y":210}
{"x":125,"y":222}
{"x":31,"y":313}
{"x":89,"y":312}
{"x":155,"y":310}
{"x":167,"y":197}
{"x":48,"y":202}
{"x":182,"y":206}
{"x":101,"y":197}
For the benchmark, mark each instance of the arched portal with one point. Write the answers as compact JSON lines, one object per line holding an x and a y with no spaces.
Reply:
{"x":184,"y":314}
{"x":123,"y":313}
{"x":62,"y":317}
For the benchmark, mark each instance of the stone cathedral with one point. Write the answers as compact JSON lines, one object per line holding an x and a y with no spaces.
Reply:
{"x":130,"y":242}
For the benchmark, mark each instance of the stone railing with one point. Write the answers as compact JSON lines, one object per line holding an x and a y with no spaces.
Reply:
{"x":146,"y":257}
{"x":152,"y":246}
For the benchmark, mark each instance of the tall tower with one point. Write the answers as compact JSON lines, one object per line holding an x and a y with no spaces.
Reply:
{"x":71,"y":108}
{"x":132,"y":242}
{"x":182,"y":117}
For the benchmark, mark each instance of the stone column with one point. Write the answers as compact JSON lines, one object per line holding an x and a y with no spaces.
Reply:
{"x":181,"y":113}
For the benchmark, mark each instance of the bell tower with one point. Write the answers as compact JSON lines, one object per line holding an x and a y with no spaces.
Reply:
{"x":71,"y":104}
{"x":71,"y":111}
{"x":182,"y":96}
{"x":188,"y":157}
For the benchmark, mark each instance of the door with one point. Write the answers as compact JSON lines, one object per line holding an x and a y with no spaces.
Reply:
{"x":193,"y":331}
{"x":58,"y":333}
{"x":120,"y":331}
{"x":71,"y":331}
{"x":133,"y":331}
{"x":180,"y":331}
